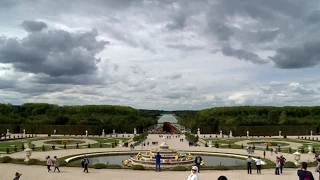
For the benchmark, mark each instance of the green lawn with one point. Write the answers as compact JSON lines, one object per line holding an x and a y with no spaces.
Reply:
{"x":19,"y":142}
{"x":224,"y":143}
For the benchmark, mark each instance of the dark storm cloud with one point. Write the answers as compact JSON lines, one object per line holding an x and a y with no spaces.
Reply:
{"x":314,"y":16}
{"x":55,"y":53}
{"x":243,"y":55}
{"x":307,"y":55}
{"x":33,"y":26}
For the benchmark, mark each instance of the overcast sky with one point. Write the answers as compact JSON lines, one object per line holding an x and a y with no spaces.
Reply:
{"x":160,"y":54}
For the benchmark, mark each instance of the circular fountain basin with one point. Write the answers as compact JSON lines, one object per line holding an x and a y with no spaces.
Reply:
{"x":263,"y":144}
{"x":61,"y":141}
{"x":117,"y":158}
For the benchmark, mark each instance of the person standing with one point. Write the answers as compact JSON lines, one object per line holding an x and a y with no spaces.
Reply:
{"x":303,"y":174}
{"x":222,"y":178}
{"x":49,"y":163}
{"x":56,"y":164}
{"x":17,"y":176}
{"x":158,"y":162}
{"x":282,"y":162}
{"x":249,"y":165}
{"x":193,"y":175}
{"x":264,"y":154}
{"x":258,"y":165}
{"x":85,"y":164}
{"x":198,"y":161}
{"x":277,"y":166}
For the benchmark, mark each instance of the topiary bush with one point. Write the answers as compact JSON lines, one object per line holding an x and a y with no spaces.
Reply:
{"x":5,"y":159}
{"x":179,"y":168}
{"x":114,"y":166}
{"x":89,"y":145}
{"x":100,"y":166}
{"x":137,"y":167}
{"x":32,"y":161}
{"x":43,"y":148}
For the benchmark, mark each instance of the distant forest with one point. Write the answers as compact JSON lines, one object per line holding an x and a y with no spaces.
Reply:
{"x":259,"y":120}
{"x":109,"y":117}
{"x":288,"y":118}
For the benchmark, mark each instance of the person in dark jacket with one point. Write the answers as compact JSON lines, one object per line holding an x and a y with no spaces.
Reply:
{"x":303,"y":173}
{"x":85,"y":163}
{"x":197,"y":162}
{"x":158,"y":162}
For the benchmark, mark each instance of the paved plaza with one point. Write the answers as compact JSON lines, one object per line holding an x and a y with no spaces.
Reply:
{"x":39,"y":172}
{"x":67,"y":173}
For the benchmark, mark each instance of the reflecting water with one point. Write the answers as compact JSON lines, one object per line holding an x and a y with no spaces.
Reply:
{"x":209,"y":160}
{"x":167,"y":118}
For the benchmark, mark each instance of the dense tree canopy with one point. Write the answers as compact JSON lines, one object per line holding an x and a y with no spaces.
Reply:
{"x":95,"y":115}
{"x":216,"y":118}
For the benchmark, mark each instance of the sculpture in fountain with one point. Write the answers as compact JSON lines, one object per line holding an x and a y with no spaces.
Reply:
{"x":170,"y":157}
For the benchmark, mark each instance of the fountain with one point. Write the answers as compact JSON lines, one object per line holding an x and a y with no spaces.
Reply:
{"x":169,"y":157}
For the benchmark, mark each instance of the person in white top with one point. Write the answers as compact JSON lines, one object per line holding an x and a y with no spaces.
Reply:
{"x":193,"y":175}
{"x":49,"y":163}
{"x":258,"y":165}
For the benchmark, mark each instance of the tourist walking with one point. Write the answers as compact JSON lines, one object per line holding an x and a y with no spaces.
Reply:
{"x":277,"y":166}
{"x":158,"y":162}
{"x":303,"y":174}
{"x":198,"y":161}
{"x":85,"y":164}
{"x":249,"y":165}
{"x":222,"y":178}
{"x":56,"y":164}
{"x":17,"y":176}
{"x":193,"y":175}
{"x":49,"y":163}
{"x":282,"y":162}
{"x":258,"y":165}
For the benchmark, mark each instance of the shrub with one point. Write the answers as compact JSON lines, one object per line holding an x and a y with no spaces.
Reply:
{"x":267,"y":147}
{"x":32,"y":161}
{"x":100,"y":166}
{"x":22,"y":147}
{"x":285,"y":136}
{"x":100,"y":145}
{"x":290,"y":150}
{"x":229,"y":145}
{"x":65,"y":146}
{"x":302,"y":150}
{"x":179,"y":168}
{"x":77,"y":146}
{"x":137,"y":167}
{"x":53,"y":147}
{"x":8,"y":150}
{"x":43,"y":148}
{"x":88,"y":145}
{"x":216,"y":144}
{"x":6,"y":159}
{"x":314,"y":150}
{"x":290,"y":164}
{"x":191,"y":138}
{"x":241,"y":146}
{"x":114,"y":166}
{"x":15,"y":148}
{"x":33,"y":147}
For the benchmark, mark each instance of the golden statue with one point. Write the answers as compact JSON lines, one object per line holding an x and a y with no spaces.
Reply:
{"x":139,"y":156}
{"x":176,"y":157}
{"x":151,"y":155}
{"x":189,"y":156}
{"x":202,"y":163}
{"x":126,"y":162}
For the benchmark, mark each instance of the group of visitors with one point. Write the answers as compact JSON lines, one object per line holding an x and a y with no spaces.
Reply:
{"x":280,"y":161}
{"x":52,"y":162}
{"x":250,"y":149}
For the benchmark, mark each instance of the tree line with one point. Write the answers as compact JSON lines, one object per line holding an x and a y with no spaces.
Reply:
{"x":220,"y":118}
{"x":86,"y":115}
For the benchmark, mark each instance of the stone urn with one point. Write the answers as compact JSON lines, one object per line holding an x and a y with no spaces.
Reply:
{"x":297,"y":157}
{"x":28,"y":152}
{"x":310,"y":147}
